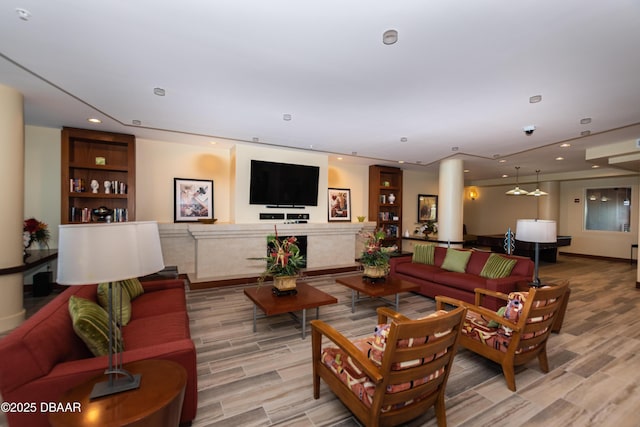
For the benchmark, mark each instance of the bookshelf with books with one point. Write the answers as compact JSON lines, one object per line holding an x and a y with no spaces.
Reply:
{"x":98,"y":171}
{"x":385,"y":202}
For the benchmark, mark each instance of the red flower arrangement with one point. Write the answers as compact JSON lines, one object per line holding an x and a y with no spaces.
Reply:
{"x":35,"y":231}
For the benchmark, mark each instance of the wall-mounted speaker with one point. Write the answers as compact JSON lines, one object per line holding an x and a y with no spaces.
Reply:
{"x":298,"y":216}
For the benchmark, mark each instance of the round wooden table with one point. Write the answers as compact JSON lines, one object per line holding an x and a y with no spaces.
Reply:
{"x":157,"y":402}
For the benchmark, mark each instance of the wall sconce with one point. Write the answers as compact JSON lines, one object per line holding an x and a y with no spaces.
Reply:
{"x":473,"y":194}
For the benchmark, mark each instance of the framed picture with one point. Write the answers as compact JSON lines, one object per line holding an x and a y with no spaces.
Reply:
{"x":339,"y":204}
{"x":427,"y":207}
{"x":193,"y":199}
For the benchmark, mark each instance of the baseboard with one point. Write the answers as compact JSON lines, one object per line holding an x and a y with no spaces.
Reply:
{"x":604,"y":258}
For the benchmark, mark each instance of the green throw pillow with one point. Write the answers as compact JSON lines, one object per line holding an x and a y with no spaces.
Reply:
{"x":456,"y":260}
{"x":91,"y":324}
{"x":118,"y":307}
{"x":497,"y":266}
{"x":133,"y":287}
{"x":424,"y":254}
{"x":500,"y":312}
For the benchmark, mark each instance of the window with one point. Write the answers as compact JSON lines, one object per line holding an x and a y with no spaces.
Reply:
{"x":608,"y":209}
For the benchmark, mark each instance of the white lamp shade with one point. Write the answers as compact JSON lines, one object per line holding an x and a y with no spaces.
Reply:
{"x":536,"y":230}
{"x":97,"y":253}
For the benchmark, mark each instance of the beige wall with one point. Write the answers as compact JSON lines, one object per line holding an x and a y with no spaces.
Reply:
{"x":159,"y":162}
{"x":493,"y":212}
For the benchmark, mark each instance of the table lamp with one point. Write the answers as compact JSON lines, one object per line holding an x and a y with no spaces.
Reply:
{"x":109,"y":252}
{"x":536,"y":231}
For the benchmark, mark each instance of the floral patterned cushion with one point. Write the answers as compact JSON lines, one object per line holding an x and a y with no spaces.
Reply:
{"x":373,"y":347}
{"x":499,"y":336}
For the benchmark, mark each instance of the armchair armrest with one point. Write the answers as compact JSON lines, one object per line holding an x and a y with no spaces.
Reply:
{"x":481,"y":293}
{"x":320,"y":328}
{"x":385,"y":313}
{"x":484,"y":312}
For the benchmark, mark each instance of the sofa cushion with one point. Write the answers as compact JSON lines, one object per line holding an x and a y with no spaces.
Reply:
{"x":421,"y":271}
{"x":456,"y":260}
{"x":121,"y":302}
{"x":155,"y":330}
{"x":465,"y":281}
{"x":497,"y":266}
{"x":424,"y":254}
{"x":91,"y":323}
{"x":154,"y":303}
{"x":133,"y":287}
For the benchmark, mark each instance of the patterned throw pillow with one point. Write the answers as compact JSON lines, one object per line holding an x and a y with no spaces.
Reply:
{"x":118,"y":307}
{"x":424,"y":254}
{"x":91,"y":324}
{"x":133,"y":287}
{"x":497,"y":267}
{"x":456,"y":260}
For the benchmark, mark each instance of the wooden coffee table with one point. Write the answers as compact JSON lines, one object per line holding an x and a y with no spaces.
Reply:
{"x":376,"y":289}
{"x":307,"y":297}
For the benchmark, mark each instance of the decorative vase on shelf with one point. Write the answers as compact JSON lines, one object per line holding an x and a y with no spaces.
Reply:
{"x":392,"y":198}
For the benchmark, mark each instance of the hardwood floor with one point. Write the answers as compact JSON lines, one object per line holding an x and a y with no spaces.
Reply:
{"x":264,"y":378}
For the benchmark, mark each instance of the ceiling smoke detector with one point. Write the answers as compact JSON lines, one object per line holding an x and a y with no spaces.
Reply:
{"x":528,"y":130}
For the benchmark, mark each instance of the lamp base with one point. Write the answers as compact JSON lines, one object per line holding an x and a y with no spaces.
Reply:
{"x":118,"y":385}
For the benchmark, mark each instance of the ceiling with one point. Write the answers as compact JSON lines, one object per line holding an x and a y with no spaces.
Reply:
{"x":457,"y":83}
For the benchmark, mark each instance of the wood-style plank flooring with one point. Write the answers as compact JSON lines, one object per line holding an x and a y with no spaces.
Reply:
{"x":264,"y":378}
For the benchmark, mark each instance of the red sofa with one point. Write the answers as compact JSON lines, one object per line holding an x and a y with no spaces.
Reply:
{"x":43,"y":357}
{"x":434,"y":280}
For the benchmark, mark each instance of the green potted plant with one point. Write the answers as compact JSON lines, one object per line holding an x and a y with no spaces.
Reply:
{"x":374,"y":258}
{"x":284,"y":262}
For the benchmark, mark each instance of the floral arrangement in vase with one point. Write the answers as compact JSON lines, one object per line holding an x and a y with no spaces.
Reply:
{"x":375,"y":258}
{"x":284,"y":262}
{"x":426,"y":227}
{"x":34,"y":231}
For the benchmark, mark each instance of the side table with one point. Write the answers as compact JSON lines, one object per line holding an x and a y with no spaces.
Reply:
{"x":157,"y":402}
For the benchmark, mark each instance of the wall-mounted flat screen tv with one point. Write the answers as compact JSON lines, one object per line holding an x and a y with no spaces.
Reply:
{"x":283,"y":184}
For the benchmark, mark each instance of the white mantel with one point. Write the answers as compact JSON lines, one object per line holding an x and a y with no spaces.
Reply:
{"x":209,"y":252}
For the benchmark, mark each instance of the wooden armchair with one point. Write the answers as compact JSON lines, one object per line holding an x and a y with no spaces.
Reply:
{"x":395,"y":375}
{"x":518,"y":336}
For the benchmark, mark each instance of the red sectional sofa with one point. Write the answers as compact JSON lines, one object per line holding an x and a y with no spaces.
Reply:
{"x":434,"y":280}
{"x":43,"y":357}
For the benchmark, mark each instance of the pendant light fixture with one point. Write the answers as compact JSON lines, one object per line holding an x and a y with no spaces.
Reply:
{"x":517,"y":191}
{"x":538,"y":192}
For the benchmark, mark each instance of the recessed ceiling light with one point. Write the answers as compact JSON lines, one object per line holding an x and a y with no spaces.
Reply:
{"x":23,"y":14}
{"x":255,"y":139}
{"x":339,"y":158}
{"x":136,"y":122}
{"x":502,"y":161}
{"x":286,"y":117}
{"x":585,"y":133}
{"x":94,"y":120}
{"x":535,"y":99}
{"x":565,"y":145}
{"x":466,"y":171}
{"x":400,"y":161}
{"x":504,"y":175}
{"x":390,"y":37}
{"x":213,"y":142}
{"x":454,"y":148}
{"x":158,"y":91}
{"x":585,"y":121}
{"x":403,"y":139}
{"x":354,"y":153}
{"x":595,"y":166}
{"x":559,"y":158}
